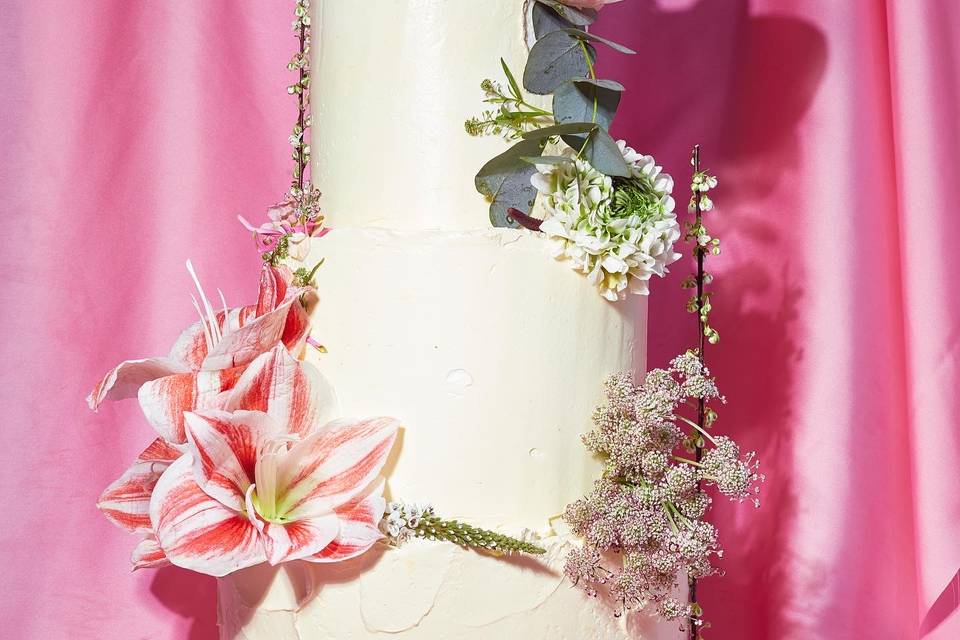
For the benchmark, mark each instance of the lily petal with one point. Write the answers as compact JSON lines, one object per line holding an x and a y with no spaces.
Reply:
{"x":197,"y":532}
{"x":225,"y":448}
{"x":297,"y":329}
{"x":291,"y":392}
{"x":190,"y":348}
{"x":273,"y":287}
{"x":257,"y":336}
{"x":359,"y":527}
{"x":149,"y":555}
{"x":165,"y":399}
{"x":333,"y":465}
{"x":126,"y":502}
{"x":123,"y":380}
{"x":299,"y":539}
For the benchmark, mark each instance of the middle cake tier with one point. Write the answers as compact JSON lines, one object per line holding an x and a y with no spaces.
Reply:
{"x":491,"y":354}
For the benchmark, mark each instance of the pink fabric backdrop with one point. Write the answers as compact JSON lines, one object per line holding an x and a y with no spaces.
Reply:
{"x":133,"y":133}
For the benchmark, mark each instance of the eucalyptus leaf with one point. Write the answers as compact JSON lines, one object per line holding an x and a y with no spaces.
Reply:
{"x":559,"y":130}
{"x":586,"y":100}
{"x":576,"y":17}
{"x":599,"y":82}
{"x":546,"y":20}
{"x":505,"y":180}
{"x":583,"y":35}
{"x":601,"y":151}
{"x":547,"y":159}
{"x":554,"y":59}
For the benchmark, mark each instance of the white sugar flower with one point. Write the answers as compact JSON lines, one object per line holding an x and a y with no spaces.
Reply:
{"x":616,"y":231}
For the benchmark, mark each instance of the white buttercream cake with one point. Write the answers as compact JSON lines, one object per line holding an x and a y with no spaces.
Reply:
{"x":491,"y":353}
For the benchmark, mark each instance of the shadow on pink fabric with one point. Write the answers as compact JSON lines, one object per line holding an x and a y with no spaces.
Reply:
{"x":132,"y":135}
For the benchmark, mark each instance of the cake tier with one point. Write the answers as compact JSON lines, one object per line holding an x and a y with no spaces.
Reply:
{"x":424,"y":591}
{"x":393,"y":82}
{"x":490,"y":353}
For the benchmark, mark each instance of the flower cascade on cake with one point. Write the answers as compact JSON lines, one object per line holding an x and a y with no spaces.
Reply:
{"x":649,"y":507}
{"x":249,"y":464}
{"x":246,"y":467}
{"x":608,"y":209}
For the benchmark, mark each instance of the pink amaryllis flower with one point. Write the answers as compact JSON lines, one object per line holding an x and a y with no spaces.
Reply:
{"x":249,"y":490}
{"x":210,"y":355}
{"x":126,"y":502}
{"x":289,"y":392}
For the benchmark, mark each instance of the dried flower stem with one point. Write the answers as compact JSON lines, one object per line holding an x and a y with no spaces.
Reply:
{"x":301,"y":108}
{"x":693,"y":630}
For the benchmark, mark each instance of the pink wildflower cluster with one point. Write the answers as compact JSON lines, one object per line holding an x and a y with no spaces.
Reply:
{"x":292,"y":222}
{"x":642,"y":524}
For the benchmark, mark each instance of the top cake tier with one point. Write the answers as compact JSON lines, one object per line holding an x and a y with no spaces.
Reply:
{"x":393,"y":82}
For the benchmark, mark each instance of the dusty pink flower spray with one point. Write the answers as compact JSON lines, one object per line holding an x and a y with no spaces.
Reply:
{"x":643,"y":524}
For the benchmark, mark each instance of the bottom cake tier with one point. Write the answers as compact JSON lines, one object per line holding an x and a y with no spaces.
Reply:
{"x":425,"y":591}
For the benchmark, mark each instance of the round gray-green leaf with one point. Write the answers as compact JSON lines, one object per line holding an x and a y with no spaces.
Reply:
{"x":506,"y":181}
{"x":587,"y":100}
{"x":559,"y":130}
{"x":576,"y":17}
{"x":554,"y":59}
{"x":583,"y":35}
{"x":601,"y":151}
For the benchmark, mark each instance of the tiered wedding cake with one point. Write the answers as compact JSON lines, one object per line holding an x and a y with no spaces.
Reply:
{"x":489,"y":352}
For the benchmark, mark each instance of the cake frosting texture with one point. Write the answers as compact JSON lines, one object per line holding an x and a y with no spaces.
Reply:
{"x":423,"y":591}
{"x":394,"y":82}
{"x":489,"y":352}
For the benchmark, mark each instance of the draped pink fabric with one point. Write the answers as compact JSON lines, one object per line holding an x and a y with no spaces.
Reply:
{"x":133,"y":133}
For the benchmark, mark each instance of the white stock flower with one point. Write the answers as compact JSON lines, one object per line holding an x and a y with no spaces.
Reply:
{"x":617,"y":232}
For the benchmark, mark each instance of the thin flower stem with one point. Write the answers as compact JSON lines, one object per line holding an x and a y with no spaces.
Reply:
{"x":701,"y":342}
{"x":666,"y":509}
{"x":301,"y":108}
{"x":700,"y":429}
{"x":688,"y":461}
{"x":593,"y":76}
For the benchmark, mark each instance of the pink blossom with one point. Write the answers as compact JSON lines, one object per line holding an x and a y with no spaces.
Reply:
{"x":285,"y":211}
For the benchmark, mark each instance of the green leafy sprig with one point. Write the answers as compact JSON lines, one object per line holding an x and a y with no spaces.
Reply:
{"x":465,"y":535}
{"x":513,"y":115}
{"x":403,"y":521}
{"x":562,"y":64}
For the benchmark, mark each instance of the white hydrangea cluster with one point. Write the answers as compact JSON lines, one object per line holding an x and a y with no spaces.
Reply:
{"x":618,"y":232}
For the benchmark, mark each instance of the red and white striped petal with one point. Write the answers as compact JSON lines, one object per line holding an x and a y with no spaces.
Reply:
{"x":297,"y":329}
{"x":191,"y":347}
{"x":359,"y":527}
{"x":225,"y":447}
{"x":259,"y":335}
{"x":299,"y":539}
{"x":165,"y":399}
{"x":330,"y":467}
{"x":293,"y":393}
{"x":274,"y":282}
{"x":149,"y":555}
{"x":126,"y":378}
{"x":197,"y":532}
{"x":126,"y":502}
